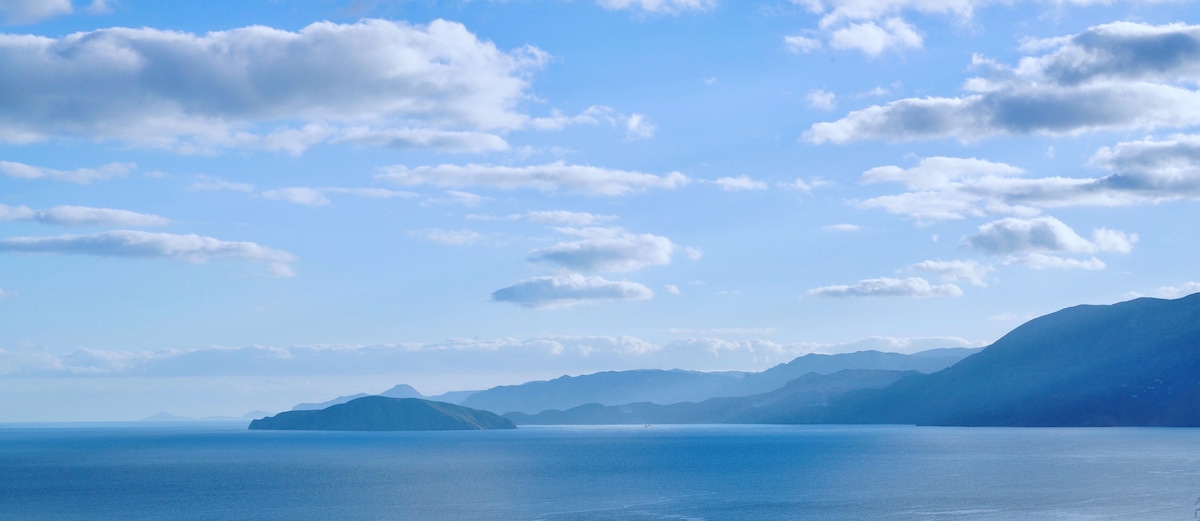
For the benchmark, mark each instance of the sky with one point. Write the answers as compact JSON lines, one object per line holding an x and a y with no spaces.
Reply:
{"x":224,"y":206}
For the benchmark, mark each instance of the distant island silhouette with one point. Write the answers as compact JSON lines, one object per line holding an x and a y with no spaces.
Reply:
{"x":381,"y":413}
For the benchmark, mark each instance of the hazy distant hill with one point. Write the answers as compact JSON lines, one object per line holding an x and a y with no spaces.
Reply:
{"x":379,"y":413}
{"x":676,"y":386}
{"x":808,"y":390}
{"x":776,"y":377}
{"x":399,"y":391}
{"x":606,"y":388}
{"x":1132,"y":363}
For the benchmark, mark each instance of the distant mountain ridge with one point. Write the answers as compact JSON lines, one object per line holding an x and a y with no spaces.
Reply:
{"x":666,"y":387}
{"x":1134,"y":363}
{"x":398,"y":391}
{"x":677,"y":386}
{"x":812,"y":389}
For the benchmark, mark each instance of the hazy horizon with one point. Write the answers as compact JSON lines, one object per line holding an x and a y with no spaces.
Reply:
{"x":221,"y":207}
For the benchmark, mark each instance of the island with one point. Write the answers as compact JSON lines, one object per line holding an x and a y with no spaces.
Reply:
{"x":381,"y":413}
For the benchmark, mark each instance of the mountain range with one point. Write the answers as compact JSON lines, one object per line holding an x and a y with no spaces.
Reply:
{"x":1134,"y":363}
{"x":665,"y":387}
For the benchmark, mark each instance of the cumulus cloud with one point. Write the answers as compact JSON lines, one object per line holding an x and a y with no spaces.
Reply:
{"x":318,"y":196}
{"x":551,"y":177}
{"x":81,"y":216}
{"x":467,"y":142}
{"x":873,"y":39}
{"x":835,"y":11}
{"x":1045,"y":235}
{"x":567,"y":217}
{"x":821,"y":99}
{"x":81,"y":176}
{"x":30,"y":11}
{"x":967,"y":271}
{"x":569,"y":290}
{"x":889,"y":287}
{"x":1182,"y":290}
{"x":207,"y":183}
{"x":659,"y":6}
{"x":129,"y":243}
{"x":1119,"y":76}
{"x":1041,"y":261}
{"x":248,"y":86}
{"x":453,"y":237}
{"x":638,"y":127}
{"x":297,"y":195}
{"x":606,"y":250}
{"x":800,"y":44}
{"x":1140,"y":172}
{"x":739,"y":183}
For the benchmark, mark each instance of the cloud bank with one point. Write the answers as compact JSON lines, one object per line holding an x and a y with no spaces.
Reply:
{"x":570,"y":289}
{"x":888,"y":287}
{"x":1118,"y":76}
{"x":550,"y":177}
{"x":248,"y":86}
{"x":129,"y":243}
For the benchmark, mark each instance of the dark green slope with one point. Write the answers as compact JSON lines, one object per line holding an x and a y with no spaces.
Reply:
{"x":379,"y":413}
{"x":1132,"y":363}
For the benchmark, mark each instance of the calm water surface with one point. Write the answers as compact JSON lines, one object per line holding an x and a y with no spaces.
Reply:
{"x":128,"y":472}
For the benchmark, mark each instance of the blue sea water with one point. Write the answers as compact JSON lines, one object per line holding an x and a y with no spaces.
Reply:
{"x":220,"y":472}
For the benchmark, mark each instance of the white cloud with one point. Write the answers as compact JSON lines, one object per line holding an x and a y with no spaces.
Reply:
{"x":242,"y":87}
{"x":1141,"y":172}
{"x":449,"y":358}
{"x":821,"y":99}
{"x":569,"y":290}
{"x":724,"y":331}
{"x":467,"y":142}
{"x":297,"y":195}
{"x":1045,"y":235}
{"x":940,"y":172}
{"x":129,"y":243}
{"x":841,"y":228}
{"x":317,"y":196}
{"x":81,"y":216}
{"x":835,"y":11}
{"x":873,"y":39}
{"x":30,"y":11}
{"x":739,"y":183}
{"x":801,"y":44}
{"x":453,"y":237}
{"x":551,"y":177}
{"x":888,"y":287}
{"x":672,"y":289}
{"x":637,"y":127}
{"x":81,"y":176}
{"x":1120,"y":76}
{"x":206,"y":183}
{"x":606,"y":250}
{"x":567,"y":217}
{"x":693,"y":253}
{"x":659,"y":6}
{"x":968,"y":271}
{"x":1182,"y":290}
{"x":1041,"y":261}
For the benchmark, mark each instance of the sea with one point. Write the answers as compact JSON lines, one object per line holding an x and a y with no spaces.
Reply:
{"x":656,"y":472}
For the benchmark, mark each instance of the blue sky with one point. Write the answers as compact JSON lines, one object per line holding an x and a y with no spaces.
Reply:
{"x":228,"y":206}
